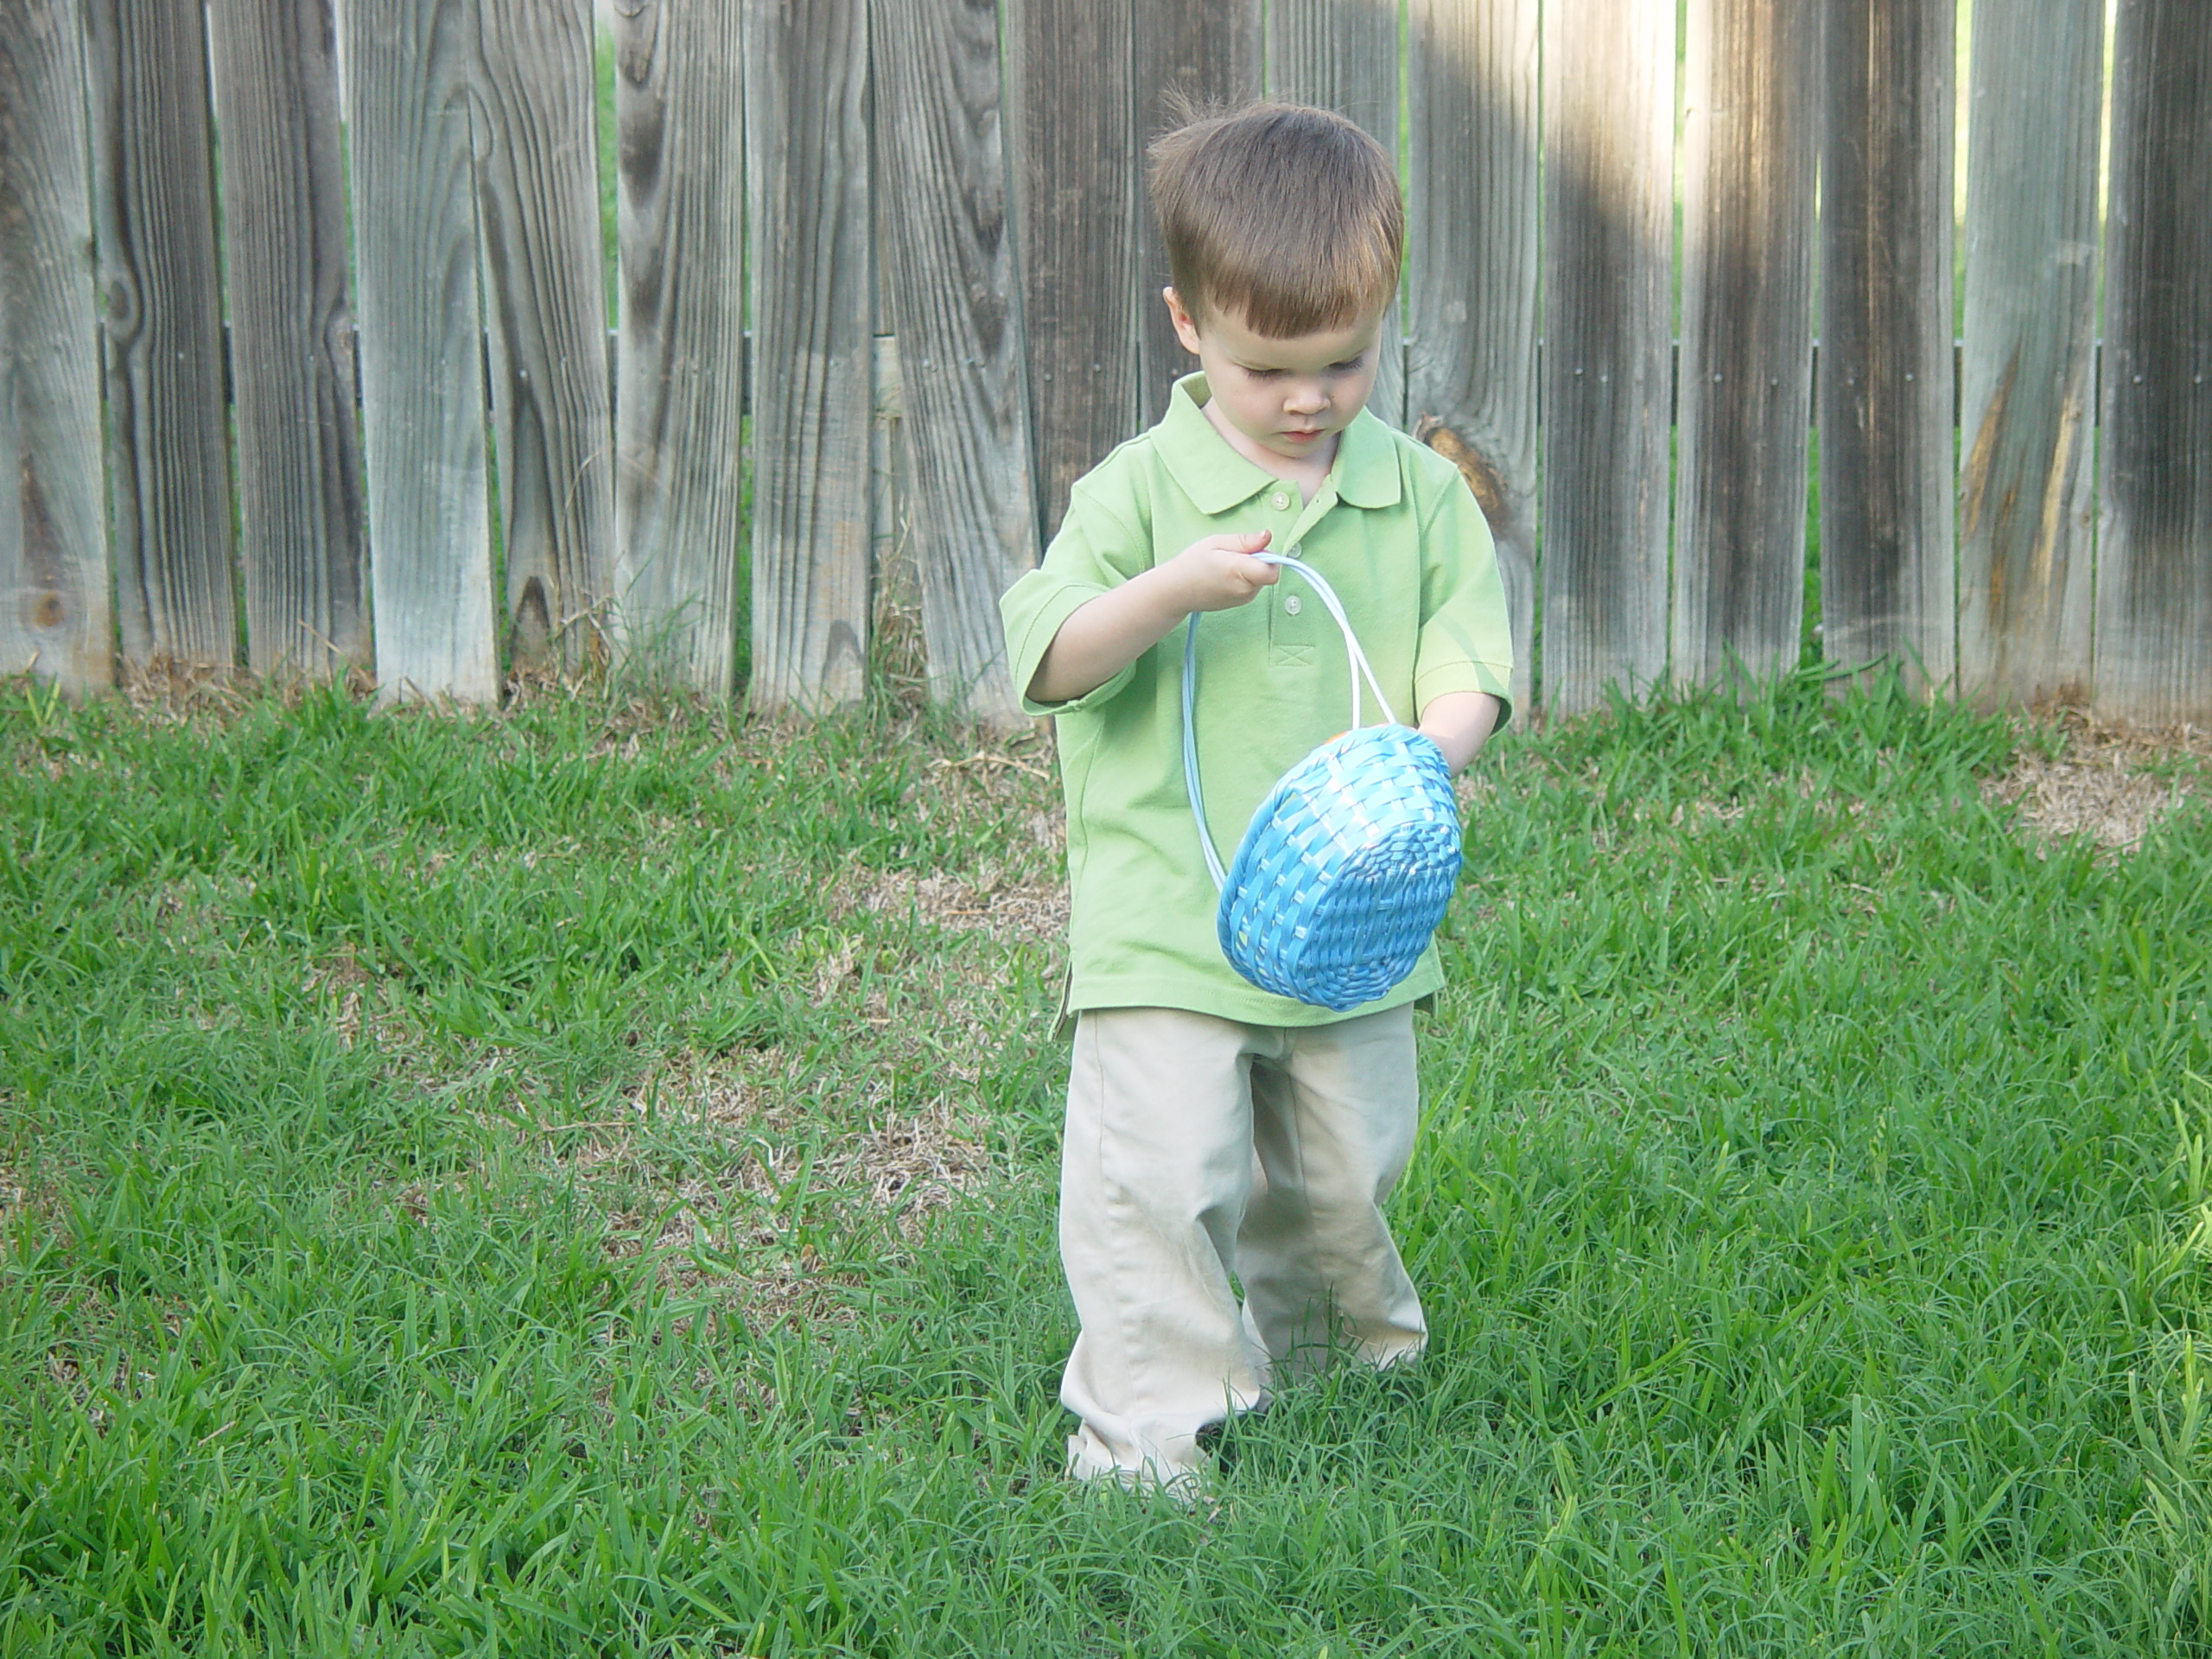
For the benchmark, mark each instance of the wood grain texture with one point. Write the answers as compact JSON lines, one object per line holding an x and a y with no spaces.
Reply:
{"x":545,"y":308}
{"x":1208,"y":50}
{"x":1071,"y":125}
{"x":300,"y":537}
{"x":1343,"y":55}
{"x":55,"y":617}
{"x":2028,"y":416}
{"x":1888,"y":588}
{"x":807,"y":162}
{"x":679,"y":407}
{"x":1472,"y":272}
{"x":1751,"y":142}
{"x":409,"y":66}
{"x":169,"y":465}
{"x":1608,"y":125}
{"x":2154,"y":555}
{"x":955,"y":308}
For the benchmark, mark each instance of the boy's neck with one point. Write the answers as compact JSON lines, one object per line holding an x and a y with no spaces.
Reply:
{"x":1307,"y":471}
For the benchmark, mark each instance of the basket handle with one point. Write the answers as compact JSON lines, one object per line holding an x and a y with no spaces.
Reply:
{"x":1360,"y":667}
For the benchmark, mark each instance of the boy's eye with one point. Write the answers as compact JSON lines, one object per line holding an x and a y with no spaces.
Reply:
{"x":1348,"y":364}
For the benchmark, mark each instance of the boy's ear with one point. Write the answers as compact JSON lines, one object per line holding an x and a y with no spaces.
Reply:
{"x":1186,"y":330}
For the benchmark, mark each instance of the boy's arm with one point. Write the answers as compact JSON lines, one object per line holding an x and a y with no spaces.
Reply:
{"x":1216,"y":573}
{"x":1459,"y":722}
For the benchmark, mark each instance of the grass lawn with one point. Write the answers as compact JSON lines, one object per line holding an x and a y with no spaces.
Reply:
{"x":581,"y":1181}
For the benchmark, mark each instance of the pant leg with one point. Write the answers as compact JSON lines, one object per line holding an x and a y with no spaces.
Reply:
{"x":1155,"y":1170}
{"x":1333,"y":1119}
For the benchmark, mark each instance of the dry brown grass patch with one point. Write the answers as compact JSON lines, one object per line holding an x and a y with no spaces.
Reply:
{"x":2110,"y":781}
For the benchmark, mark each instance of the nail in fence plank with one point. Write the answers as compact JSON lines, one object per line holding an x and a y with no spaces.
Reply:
{"x":299,"y":443}
{"x":953,"y":308}
{"x":1888,"y":588}
{"x":1077,"y":200}
{"x":545,"y":308}
{"x":409,"y":68}
{"x":807,"y":157}
{"x":1753,"y":97}
{"x":2027,"y":410}
{"x":1209,"y":51}
{"x":1608,"y":129}
{"x":54,"y":619}
{"x":2154,"y":554}
{"x":169,"y":465}
{"x":679,"y":403}
{"x":1343,"y":55}
{"x":1472,"y":272}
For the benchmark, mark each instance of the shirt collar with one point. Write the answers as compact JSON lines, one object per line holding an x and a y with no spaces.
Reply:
{"x":1217,"y":478}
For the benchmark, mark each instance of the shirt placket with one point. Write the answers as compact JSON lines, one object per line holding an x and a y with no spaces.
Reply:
{"x":1297,"y":623}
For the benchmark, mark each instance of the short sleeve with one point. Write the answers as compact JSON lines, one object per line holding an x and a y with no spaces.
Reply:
{"x":1097,"y":550}
{"x":1466,"y":637}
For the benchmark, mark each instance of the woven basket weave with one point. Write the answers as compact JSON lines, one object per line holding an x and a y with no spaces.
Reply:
{"x":1348,"y":865}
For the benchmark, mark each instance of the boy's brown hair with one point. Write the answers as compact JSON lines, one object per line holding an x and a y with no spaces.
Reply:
{"x":1288,"y":216}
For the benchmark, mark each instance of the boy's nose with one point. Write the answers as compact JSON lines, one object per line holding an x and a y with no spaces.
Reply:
{"x":1308,"y":399}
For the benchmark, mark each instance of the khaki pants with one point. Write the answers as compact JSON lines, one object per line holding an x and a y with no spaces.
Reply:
{"x":1197,"y":1148}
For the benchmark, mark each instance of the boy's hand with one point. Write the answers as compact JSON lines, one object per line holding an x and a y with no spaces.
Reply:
{"x":1215,"y":573}
{"x":1218,"y":573}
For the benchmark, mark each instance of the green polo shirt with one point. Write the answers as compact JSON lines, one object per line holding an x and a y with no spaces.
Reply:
{"x":1400,"y":538}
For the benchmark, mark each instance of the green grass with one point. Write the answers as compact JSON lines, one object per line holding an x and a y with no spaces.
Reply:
{"x":581,"y":1181}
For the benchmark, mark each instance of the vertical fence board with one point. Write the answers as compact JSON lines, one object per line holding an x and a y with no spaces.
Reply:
{"x":1077,"y":203}
{"x":1888,"y":588}
{"x":954,"y":305}
{"x":2027,"y":406}
{"x":545,"y":303}
{"x":408,"y":65}
{"x":1608,"y":129}
{"x":807,"y":158}
{"x":1208,"y":50}
{"x":1753,"y":97}
{"x":679,"y":403}
{"x":169,"y":466}
{"x":299,"y":461}
{"x":1472,"y":271}
{"x":2154,"y":560}
{"x":1343,"y":55}
{"x":54,"y":619}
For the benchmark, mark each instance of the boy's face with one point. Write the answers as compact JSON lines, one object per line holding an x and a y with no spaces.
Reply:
{"x":1280,"y":401}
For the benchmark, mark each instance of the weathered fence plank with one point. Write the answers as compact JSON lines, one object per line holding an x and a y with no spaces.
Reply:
{"x":1343,"y":55}
{"x":1472,"y":272}
{"x":807,"y":161}
{"x":54,"y":619}
{"x":1077,"y":204}
{"x":2028,"y":416}
{"x":679,"y":404}
{"x":1207,"y":50}
{"x":1608,"y":126}
{"x":2154,"y":557}
{"x":1888,"y":589}
{"x":545,"y":309}
{"x":168,"y":465}
{"x":1753,"y":107}
{"x":954,"y":304}
{"x":299,"y":448}
{"x":409,"y":69}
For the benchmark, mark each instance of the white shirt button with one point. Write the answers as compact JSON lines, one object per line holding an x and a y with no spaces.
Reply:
{"x":1293,"y":604}
{"x":1279,"y":501}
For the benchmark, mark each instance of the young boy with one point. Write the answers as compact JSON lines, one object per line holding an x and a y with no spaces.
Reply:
{"x":1214,"y":1129}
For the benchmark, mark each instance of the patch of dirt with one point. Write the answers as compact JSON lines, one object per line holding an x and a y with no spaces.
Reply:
{"x":2102,"y":784}
{"x":904,"y":1169}
{"x":981,"y":902}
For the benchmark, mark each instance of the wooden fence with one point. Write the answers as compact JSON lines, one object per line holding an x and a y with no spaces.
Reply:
{"x":303,"y":307}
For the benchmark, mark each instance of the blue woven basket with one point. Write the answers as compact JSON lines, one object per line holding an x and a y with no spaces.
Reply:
{"x":1348,"y":865}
